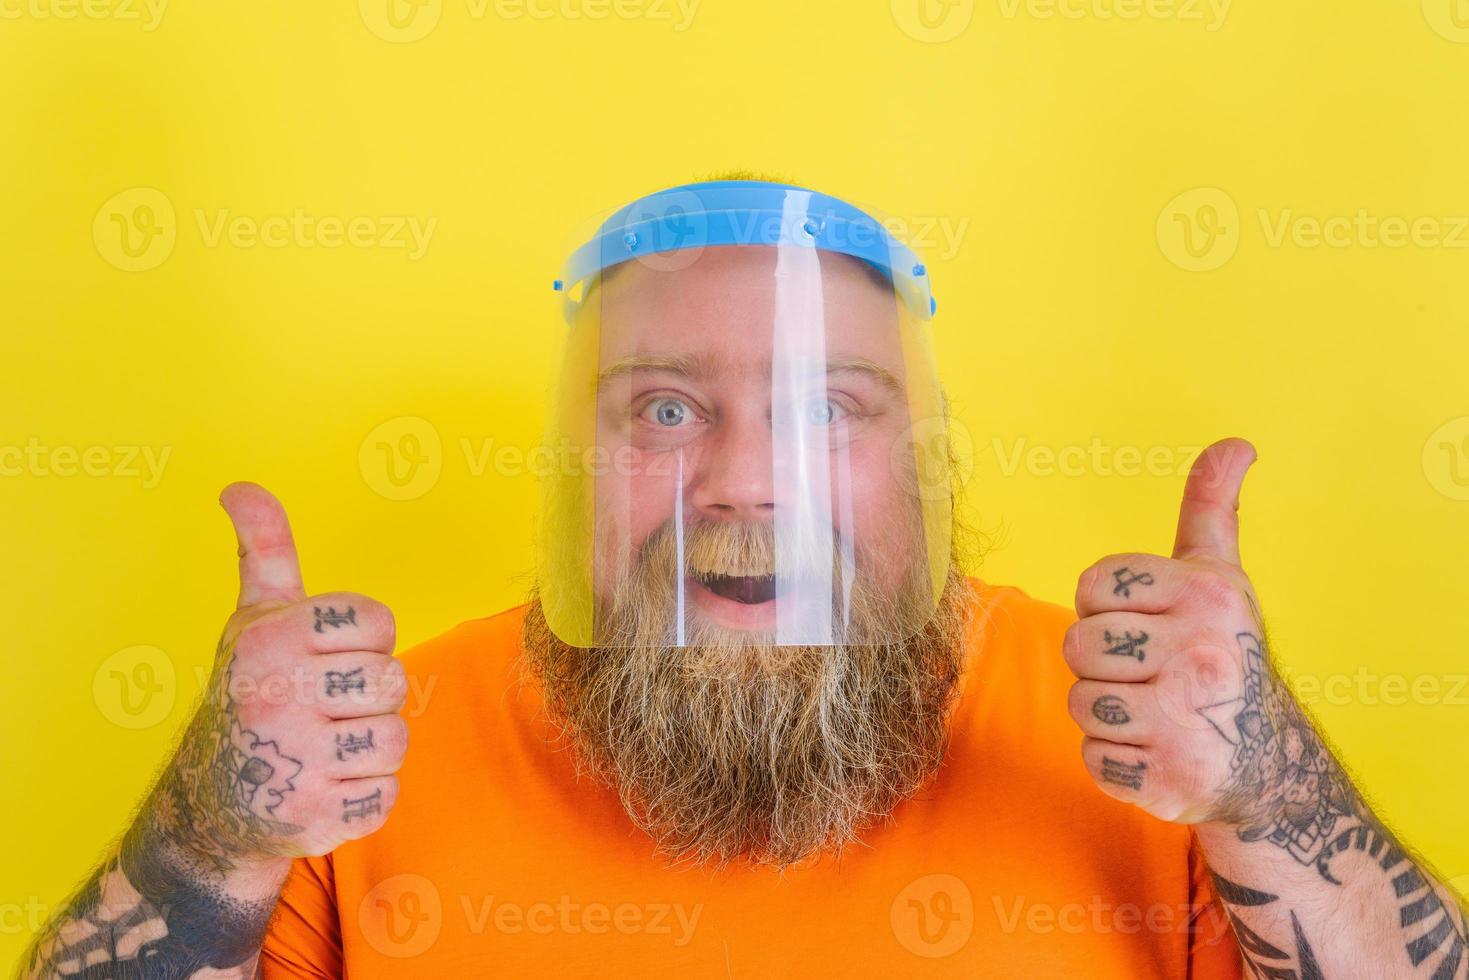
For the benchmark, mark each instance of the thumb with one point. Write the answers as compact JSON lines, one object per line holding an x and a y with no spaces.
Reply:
{"x":269,"y":569}
{"x":1208,"y":521}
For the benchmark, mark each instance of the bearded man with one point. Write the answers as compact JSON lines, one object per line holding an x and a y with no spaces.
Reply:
{"x":756,"y":720}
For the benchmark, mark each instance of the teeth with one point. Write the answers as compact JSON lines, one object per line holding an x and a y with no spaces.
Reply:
{"x":741,"y":588}
{"x":706,"y":574}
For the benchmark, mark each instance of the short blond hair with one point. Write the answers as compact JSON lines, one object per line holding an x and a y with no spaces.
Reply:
{"x":740,"y":174}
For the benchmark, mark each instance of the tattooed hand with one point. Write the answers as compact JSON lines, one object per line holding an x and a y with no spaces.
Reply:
{"x":1174,"y":694}
{"x":1185,"y":716}
{"x":294,"y":751}
{"x":291,"y":753}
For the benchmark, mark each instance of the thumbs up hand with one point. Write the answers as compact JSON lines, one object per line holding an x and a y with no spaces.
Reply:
{"x":294,"y":748}
{"x":1170,"y":662}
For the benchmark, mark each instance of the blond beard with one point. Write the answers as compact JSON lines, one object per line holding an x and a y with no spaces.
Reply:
{"x":730,"y":748}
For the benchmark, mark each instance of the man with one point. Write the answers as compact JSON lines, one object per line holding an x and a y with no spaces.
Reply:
{"x":755,"y":720}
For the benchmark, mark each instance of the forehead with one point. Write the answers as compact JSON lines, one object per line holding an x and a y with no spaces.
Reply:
{"x":745,"y":306}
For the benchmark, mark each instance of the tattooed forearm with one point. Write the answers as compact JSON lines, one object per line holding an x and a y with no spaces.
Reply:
{"x":1284,"y":785}
{"x":1286,"y":789}
{"x":159,"y":906}
{"x":1264,"y":958}
{"x":143,"y":915}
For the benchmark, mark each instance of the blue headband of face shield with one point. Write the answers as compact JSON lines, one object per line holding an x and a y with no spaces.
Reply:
{"x":745,"y":212}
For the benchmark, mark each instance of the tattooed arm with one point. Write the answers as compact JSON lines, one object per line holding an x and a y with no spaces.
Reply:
{"x":291,"y":753}
{"x":157,"y":909}
{"x":1185,"y":716}
{"x":1314,"y":883}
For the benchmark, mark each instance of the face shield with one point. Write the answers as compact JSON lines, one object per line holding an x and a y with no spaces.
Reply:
{"x":748,"y":429}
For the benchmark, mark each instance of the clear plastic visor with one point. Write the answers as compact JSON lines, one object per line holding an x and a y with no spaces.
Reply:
{"x":752,"y":448}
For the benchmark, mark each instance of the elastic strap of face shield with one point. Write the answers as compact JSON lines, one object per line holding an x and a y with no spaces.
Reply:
{"x":744,"y":212}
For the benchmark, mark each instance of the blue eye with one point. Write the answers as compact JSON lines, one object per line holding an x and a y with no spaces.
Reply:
{"x":669,"y":412}
{"x":823,"y":412}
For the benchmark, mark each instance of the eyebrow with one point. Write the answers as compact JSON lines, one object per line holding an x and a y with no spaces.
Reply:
{"x":695,"y":367}
{"x":876,"y":372}
{"x":684,"y":365}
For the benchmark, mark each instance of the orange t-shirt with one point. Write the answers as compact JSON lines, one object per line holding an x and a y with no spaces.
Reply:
{"x":497,"y":861}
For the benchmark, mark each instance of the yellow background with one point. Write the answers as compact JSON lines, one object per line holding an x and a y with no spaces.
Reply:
{"x":1049,"y":146}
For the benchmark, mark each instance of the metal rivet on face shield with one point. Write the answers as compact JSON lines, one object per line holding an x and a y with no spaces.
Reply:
{"x":630,"y":240}
{"x":810,"y":228}
{"x":919,"y":270}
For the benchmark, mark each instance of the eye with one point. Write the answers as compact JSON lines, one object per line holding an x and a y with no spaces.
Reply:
{"x":824,"y":411}
{"x":668,"y":413}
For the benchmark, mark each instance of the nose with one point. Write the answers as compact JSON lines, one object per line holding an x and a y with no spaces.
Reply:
{"x":733,"y":478}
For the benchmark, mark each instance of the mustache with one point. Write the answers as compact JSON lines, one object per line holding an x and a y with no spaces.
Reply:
{"x":744,"y":549}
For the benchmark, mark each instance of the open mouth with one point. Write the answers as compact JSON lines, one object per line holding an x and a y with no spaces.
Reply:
{"x":748,"y":589}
